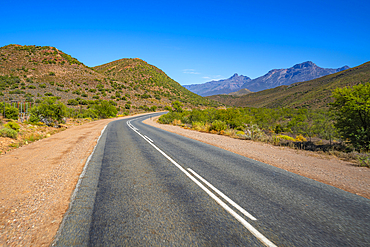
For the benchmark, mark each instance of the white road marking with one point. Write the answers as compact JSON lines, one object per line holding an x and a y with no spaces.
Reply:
{"x":253,"y":230}
{"x":148,"y":138}
{"x":242,"y":210}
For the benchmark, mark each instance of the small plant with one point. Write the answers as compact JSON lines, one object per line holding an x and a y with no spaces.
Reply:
{"x":52,"y":73}
{"x":300,"y":138}
{"x":363,"y":159}
{"x":12,"y":125}
{"x":218,"y":126}
{"x":6,"y":132}
{"x":285,"y":137}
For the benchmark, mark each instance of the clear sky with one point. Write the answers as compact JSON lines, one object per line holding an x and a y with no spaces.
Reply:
{"x":196,"y":41}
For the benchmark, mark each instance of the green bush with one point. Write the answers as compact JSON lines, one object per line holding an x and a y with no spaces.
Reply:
{"x":10,"y":111}
{"x":49,"y":111}
{"x":6,"y":132}
{"x":12,"y":125}
{"x":218,"y":126}
{"x":364,"y":159}
{"x":352,"y":109}
{"x":105,"y":109}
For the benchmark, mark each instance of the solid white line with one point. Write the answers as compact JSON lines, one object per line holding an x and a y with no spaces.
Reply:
{"x":253,"y":230}
{"x":148,"y":138}
{"x":242,"y":210}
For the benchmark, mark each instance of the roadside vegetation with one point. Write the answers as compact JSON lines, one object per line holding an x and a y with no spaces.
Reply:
{"x":343,"y":130}
{"x":48,"y":117}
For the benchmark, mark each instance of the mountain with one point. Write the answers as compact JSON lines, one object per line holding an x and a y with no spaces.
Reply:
{"x":309,"y":94}
{"x":225,"y":86}
{"x":28,"y":73}
{"x":298,"y":73}
{"x":277,"y":77}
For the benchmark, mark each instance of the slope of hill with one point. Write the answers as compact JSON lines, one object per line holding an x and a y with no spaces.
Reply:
{"x":28,"y":73}
{"x":139,"y":75}
{"x":226,"y":86}
{"x":298,"y":73}
{"x":241,"y":92}
{"x":310,"y":94}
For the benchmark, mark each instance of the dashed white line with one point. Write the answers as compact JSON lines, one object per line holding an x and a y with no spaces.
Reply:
{"x":253,"y":230}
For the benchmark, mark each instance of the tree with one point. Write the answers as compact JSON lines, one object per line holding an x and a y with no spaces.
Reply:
{"x":105,"y":109}
{"x":49,"y":111}
{"x":10,"y":111}
{"x":351,"y":107}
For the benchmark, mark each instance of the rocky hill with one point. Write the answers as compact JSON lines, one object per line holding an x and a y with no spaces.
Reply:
{"x":310,"y":94}
{"x":28,"y":73}
{"x":225,"y":86}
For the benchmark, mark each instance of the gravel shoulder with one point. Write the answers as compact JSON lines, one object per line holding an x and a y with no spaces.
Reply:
{"x":323,"y":168}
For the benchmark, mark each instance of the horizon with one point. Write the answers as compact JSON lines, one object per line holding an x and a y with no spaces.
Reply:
{"x":195,"y":42}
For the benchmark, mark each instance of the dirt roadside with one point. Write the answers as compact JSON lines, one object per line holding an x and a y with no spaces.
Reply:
{"x":37,"y":180}
{"x":323,"y":168}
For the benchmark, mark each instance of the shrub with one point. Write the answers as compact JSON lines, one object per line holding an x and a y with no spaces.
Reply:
{"x":105,"y":109}
{"x":253,"y":132}
{"x":42,"y":86}
{"x":300,"y":138}
{"x":218,"y":126}
{"x":199,"y":126}
{"x":364,"y":159}
{"x":49,"y":111}
{"x":10,"y":111}
{"x":352,"y":109}
{"x":285,"y":137}
{"x":72,"y":102}
{"x":12,"y":125}
{"x":6,"y":132}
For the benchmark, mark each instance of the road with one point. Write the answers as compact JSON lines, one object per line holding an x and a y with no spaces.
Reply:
{"x":146,"y":186}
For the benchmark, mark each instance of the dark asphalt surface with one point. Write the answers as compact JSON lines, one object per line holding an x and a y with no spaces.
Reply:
{"x":131,"y":195}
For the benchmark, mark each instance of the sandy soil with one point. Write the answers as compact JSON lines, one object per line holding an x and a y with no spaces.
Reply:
{"x":37,"y":180}
{"x":320,"y":167}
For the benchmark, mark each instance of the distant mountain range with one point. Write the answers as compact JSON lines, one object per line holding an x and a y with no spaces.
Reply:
{"x":226,"y":86}
{"x":277,"y":77}
{"x":309,"y":94}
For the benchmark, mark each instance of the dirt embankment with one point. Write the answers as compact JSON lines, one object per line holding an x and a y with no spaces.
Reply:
{"x":323,"y":168}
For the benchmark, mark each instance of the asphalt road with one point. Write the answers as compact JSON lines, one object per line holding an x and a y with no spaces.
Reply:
{"x":148,"y":187}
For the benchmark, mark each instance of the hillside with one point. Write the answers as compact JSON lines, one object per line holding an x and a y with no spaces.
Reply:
{"x":310,"y":94}
{"x":138,"y":75}
{"x":28,"y":73}
{"x":241,"y":92}
{"x":225,"y":86}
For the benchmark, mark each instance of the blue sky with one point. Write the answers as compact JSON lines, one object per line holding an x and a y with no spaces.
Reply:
{"x":196,"y":41}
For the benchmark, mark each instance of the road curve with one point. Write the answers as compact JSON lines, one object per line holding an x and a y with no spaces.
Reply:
{"x":146,"y":186}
